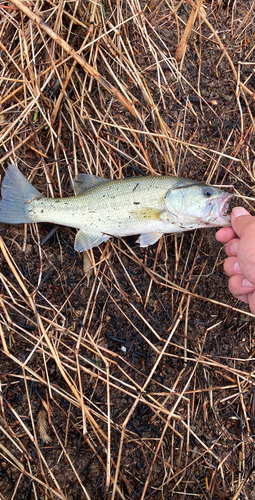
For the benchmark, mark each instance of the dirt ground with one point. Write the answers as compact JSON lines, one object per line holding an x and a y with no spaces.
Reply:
{"x":125,"y":373}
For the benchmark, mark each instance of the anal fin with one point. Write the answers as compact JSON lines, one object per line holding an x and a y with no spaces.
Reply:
{"x":147,"y":239}
{"x":85,"y":241}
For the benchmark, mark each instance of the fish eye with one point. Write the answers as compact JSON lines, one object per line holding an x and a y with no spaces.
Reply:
{"x":207,"y":192}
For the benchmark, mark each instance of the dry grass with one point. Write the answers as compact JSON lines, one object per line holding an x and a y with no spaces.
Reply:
{"x":128,"y":374}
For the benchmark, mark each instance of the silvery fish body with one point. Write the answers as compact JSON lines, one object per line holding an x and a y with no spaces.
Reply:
{"x":148,"y":206}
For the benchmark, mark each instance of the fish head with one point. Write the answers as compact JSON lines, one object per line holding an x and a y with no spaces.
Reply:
{"x":192,"y":204}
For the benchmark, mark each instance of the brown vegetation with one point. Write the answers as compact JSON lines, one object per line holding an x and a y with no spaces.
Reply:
{"x":125,"y":373}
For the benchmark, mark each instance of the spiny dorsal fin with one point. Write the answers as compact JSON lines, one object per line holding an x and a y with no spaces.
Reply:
{"x":82,"y":182}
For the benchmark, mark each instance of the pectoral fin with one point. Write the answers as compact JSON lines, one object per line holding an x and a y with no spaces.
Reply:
{"x":82,"y":182}
{"x":85,"y":241}
{"x":146,"y":239}
{"x":146,"y":213}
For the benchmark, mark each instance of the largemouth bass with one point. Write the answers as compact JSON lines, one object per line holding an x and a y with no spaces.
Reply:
{"x":149,"y":206}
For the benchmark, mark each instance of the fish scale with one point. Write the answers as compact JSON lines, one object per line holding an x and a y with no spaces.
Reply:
{"x":148,"y":206}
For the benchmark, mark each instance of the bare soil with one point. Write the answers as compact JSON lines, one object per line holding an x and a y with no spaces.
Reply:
{"x":133,"y":379}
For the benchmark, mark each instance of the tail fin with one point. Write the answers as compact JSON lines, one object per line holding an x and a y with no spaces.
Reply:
{"x":16,"y":192}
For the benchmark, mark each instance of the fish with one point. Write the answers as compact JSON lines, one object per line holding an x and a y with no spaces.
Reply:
{"x":148,"y":206}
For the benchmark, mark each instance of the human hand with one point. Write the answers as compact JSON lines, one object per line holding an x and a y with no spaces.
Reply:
{"x":240,"y":248}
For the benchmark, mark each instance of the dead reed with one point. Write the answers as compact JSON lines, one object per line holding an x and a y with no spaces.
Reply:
{"x":128,"y":373}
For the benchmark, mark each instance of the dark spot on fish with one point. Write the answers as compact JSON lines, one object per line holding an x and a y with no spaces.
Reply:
{"x":42,"y":211}
{"x":136,"y":186}
{"x":136,"y":202}
{"x":57,"y":201}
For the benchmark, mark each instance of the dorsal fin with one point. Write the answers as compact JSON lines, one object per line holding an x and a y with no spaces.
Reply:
{"x":82,"y":182}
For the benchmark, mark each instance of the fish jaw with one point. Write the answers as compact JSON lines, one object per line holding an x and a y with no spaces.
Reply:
{"x":216,"y":211}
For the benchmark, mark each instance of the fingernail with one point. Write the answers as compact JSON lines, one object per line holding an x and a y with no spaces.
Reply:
{"x":237,"y":268}
{"x":237,"y":211}
{"x":247,"y":283}
{"x":233,"y":248}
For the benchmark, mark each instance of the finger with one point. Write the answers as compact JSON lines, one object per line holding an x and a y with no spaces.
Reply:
{"x":231,"y":247}
{"x":225,"y":234}
{"x":238,"y":286}
{"x":243,"y":298}
{"x":240,"y":219}
{"x":248,"y":298}
{"x":251,"y":299}
{"x":231,"y":266}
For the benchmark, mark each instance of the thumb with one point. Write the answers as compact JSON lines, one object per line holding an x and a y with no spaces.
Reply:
{"x":240,"y":218}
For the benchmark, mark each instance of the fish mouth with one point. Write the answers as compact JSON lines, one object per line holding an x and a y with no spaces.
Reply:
{"x":219,"y":215}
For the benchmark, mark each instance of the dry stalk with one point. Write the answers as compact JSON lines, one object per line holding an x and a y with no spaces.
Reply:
{"x":87,"y":67}
{"x":180,"y":52}
{"x":144,"y":373}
